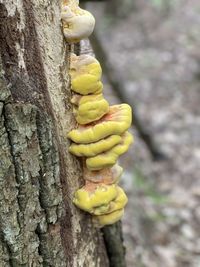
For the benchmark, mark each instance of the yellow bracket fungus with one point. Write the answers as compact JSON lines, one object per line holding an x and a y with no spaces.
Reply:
{"x":105,"y":176}
{"x":95,"y":198}
{"x":108,"y":219}
{"x":110,"y":157}
{"x":93,"y":149}
{"x":77,"y":23}
{"x":90,"y":108}
{"x":85,"y":72}
{"x":115,"y":122}
{"x":100,"y":199}
{"x":102,"y":134}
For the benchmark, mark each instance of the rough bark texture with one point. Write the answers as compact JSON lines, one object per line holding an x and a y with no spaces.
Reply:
{"x":39,"y":226}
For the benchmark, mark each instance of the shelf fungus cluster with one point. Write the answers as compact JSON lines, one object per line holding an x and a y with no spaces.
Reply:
{"x":102,"y":132}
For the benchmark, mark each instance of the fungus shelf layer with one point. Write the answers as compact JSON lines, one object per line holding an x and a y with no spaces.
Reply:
{"x":110,"y":157}
{"x":115,"y":122}
{"x":93,"y":149}
{"x":100,"y":199}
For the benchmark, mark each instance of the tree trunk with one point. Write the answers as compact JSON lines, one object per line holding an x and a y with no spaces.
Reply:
{"x":39,"y":226}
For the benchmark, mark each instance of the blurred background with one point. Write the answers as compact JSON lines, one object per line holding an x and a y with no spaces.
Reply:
{"x":150,"y":54}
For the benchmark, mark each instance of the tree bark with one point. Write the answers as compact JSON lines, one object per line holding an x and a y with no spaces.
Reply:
{"x":39,"y":225}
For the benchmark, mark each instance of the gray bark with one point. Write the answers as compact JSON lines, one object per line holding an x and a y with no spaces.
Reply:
{"x":39,"y":225}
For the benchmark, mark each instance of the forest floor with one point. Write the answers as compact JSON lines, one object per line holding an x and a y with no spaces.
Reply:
{"x":155,"y":50}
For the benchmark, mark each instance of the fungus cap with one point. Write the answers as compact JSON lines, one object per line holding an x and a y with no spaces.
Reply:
{"x":115,"y":122}
{"x":95,"y":198}
{"x":90,"y":108}
{"x":100,"y":199}
{"x":85,"y":72}
{"x":77,"y":23}
{"x":93,"y":149}
{"x":108,"y":219}
{"x":110,"y":157}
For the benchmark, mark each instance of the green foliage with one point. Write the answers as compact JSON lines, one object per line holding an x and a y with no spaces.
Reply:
{"x":143,"y":184}
{"x":157,"y":3}
{"x":146,"y":186}
{"x":164,"y":4}
{"x":158,"y":217}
